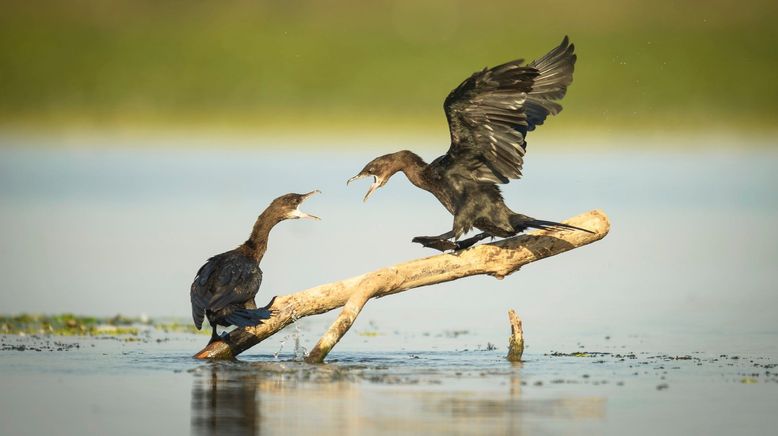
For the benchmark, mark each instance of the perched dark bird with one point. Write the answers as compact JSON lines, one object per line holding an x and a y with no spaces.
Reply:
{"x":489,"y":115}
{"x":224,"y":288}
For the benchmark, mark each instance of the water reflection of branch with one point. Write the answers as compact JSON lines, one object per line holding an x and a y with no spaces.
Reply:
{"x":296,"y":398}
{"x":226,"y":398}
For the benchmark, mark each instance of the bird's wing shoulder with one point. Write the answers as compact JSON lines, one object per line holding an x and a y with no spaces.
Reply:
{"x":237,"y":281}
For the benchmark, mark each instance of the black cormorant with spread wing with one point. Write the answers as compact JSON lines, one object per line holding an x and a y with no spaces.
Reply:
{"x":224,"y":288}
{"x":489,"y":115}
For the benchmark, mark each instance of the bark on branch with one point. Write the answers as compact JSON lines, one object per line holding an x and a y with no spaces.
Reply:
{"x":497,"y":259}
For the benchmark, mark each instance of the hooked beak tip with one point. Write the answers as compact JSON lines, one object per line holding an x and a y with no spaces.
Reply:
{"x":305,"y":197}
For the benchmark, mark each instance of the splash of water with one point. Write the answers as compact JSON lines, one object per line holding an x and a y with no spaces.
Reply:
{"x":280,"y":347}
{"x":300,"y":352}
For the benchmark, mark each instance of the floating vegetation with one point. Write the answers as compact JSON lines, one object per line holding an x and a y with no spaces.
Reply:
{"x":368,"y":333}
{"x":593,"y":354}
{"x":68,"y":324}
{"x":39,"y":345}
{"x":65,"y":325}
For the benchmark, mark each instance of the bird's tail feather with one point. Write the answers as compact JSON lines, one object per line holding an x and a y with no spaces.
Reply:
{"x":522,"y":222}
{"x":247,"y":317}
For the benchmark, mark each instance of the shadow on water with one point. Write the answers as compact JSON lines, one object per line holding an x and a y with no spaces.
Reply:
{"x":373,"y":397}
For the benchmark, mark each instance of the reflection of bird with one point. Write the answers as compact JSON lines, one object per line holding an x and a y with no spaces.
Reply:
{"x":225,"y":402}
{"x":489,"y":115}
{"x":224,"y":288}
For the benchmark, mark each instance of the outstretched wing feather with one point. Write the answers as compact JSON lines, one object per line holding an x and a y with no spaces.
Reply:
{"x":490,"y":113}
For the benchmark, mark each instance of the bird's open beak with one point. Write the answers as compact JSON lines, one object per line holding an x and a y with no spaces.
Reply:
{"x":376,"y":184}
{"x":357,"y":177}
{"x":297,"y":213}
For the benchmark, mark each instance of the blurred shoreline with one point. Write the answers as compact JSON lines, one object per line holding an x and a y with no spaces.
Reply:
{"x":383,"y":66}
{"x":545,"y":139}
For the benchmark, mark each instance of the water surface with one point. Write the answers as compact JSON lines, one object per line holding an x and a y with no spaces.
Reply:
{"x":688,"y":270}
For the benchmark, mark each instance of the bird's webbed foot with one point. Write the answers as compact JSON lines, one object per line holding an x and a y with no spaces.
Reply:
{"x":469,"y":242}
{"x":443,"y":244}
{"x":436,"y":242}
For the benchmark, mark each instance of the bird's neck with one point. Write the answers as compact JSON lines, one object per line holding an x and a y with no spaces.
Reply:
{"x":416,"y":170}
{"x":256,"y":245}
{"x":413,"y":167}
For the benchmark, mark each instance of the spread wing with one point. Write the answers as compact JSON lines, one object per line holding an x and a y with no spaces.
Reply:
{"x":225,"y":279}
{"x":490,"y":113}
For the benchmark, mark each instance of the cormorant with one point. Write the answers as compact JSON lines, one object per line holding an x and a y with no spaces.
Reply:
{"x":489,"y":115}
{"x":224,"y":288}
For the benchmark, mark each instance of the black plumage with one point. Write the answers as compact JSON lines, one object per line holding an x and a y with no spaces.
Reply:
{"x":489,"y":116}
{"x":224,"y":288}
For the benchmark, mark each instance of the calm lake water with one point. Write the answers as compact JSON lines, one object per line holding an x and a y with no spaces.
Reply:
{"x":687,"y":271}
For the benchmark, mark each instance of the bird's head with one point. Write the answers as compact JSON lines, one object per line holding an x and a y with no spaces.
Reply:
{"x":381,"y":168}
{"x":288,"y":206}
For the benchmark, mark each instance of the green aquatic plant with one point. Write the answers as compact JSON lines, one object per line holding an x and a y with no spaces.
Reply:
{"x":68,"y":324}
{"x":179,"y":327}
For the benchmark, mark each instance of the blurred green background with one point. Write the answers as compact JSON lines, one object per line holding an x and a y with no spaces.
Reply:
{"x":306,"y":66}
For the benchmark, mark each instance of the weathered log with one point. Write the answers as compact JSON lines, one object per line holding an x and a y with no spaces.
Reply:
{"x":497,"y":259}
{"x":347,"y":317}
{"x":516,"y":339}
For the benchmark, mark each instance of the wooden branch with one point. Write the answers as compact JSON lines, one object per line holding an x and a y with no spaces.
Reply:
{"x":497,"y":259}
{"x":365,"y":290}
{"x":516,"y":339}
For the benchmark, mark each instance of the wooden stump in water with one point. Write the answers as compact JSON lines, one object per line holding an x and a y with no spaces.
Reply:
{"x":516,"y":339}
